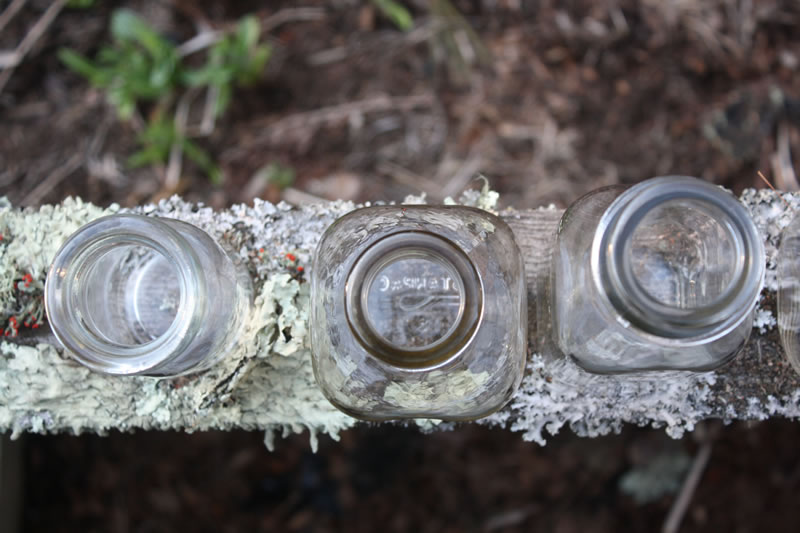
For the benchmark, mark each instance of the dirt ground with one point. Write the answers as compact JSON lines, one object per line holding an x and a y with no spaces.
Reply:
{"x":549,"y":99}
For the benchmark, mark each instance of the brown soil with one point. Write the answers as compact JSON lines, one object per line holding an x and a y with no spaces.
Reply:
{"x":393,"y":479}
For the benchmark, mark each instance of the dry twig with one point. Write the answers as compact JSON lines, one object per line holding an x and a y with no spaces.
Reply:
{"x":209,"y":37}
{"x":10,"y":11}
{"x":57,"y":176}
{"x":782,"y":167}
{"x":31,"y":39}
{"x":173,"y":174}
{"x":681,"y":504}
{"x":304,"y":125}
{"x":291,"y":14}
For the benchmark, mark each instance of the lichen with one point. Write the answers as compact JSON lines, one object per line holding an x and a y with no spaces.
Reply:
{"x":485,"y":199}
{"x":29,"y":239}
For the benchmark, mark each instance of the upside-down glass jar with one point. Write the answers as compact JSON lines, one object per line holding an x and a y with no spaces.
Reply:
{"x":789,"y":292}
{"x":418,"y":312}
{"x":130,"y":294}
{"x":664,"y":275}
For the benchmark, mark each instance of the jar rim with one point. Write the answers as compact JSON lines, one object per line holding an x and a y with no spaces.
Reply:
{"x":395,"y":246}
{"x":613,"y":274}
{"x":93,"y":241}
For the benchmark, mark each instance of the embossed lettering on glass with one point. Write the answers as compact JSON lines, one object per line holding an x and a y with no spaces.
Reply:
{"x":663,"y":275}
{"x":418,"y":311}
{"x":129,"y":294}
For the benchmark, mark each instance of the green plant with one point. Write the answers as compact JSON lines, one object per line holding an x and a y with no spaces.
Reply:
{"x":396,"y":12}
{"x":141,"y":66}
{"x":236,"y":58}
{"x":158,"y":139}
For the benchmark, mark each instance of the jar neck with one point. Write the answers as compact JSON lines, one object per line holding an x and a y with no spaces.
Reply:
{"x":76,"y":268}
{"x":398,"y":261}
{"x":615,"y":274}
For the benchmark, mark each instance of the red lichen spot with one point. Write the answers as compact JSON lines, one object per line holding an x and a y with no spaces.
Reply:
{"x":299,"y":269}
{"x":291,"y":257}
{"x":27,"y":278}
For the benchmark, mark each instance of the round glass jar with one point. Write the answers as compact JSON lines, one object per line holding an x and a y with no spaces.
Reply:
{"x":662,"y":275}
{"x":418,"y":312}
{"x":130,"y":294}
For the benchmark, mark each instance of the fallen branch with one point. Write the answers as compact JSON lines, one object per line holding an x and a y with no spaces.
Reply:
{"x":269,"y":385}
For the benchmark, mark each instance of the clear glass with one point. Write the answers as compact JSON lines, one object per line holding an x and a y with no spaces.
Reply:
{"x":130,"y":294}
{"x":789,"y":292}
{"x":418,"y":312}
{"x":662,"y":275}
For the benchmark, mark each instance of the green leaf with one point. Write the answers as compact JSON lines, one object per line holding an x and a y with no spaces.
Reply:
{"x":77,"y":63}
{"x":252,"y":71}
{"x":80,"y":4}
{"x":145,"y":156}
{"x":248,"y":31}
{"x":127,"y":26}
{"x":223,"y":99}
{"x":396,"y":12}
{"x":277,"y":174}
{"x":199,"y":157}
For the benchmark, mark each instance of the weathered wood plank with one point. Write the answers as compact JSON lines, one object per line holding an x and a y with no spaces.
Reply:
{"x":268,"y":383}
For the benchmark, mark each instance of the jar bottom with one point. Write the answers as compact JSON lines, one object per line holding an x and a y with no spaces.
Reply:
{"x":134,"y":296}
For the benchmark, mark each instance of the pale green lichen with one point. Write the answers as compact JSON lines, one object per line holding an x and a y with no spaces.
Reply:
{"x":485,"y":199}
{"x":436,"y":386}
{"x":30,"y":240}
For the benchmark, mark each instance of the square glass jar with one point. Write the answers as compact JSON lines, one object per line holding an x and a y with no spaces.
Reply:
{"x":418,"y":312}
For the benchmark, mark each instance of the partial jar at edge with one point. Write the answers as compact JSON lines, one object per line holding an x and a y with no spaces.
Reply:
{"x":137,"y":295}
{"x":789,"y":292}
{"x":664,"y":275}
{"x":418,"y":312}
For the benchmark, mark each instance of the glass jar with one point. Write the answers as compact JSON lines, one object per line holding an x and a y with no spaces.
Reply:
{"x":789,"y":292}
{"x":130,"y":294}
{"x":662,"y":275}
{"x":418,"y":312}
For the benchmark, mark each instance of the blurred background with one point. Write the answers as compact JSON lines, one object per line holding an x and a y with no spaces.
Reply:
{"x":223,"y":102}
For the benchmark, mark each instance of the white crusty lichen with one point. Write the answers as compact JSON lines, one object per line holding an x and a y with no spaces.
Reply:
{"x":557,"y":392}
{"x":268,"y":382}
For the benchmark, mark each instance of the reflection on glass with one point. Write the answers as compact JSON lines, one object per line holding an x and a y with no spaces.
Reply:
{"x":130,"y":294}
{"x":663,"y":275}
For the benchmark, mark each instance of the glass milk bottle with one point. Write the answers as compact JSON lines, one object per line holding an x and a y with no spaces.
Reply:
{"x":130,"y":294}
{"x":661,"y":275}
